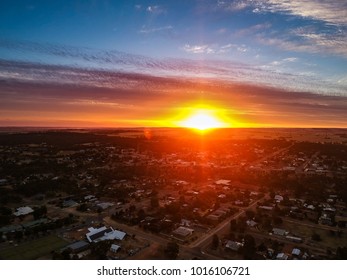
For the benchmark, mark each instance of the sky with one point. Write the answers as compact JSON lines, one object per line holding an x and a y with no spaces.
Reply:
{"x":257,"y":63}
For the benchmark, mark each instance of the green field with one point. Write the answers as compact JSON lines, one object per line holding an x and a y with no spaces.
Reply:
{"x":33,"y":249}
{"x":328,"y":240}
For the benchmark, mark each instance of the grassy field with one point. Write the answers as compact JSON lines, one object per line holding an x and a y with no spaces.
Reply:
{"x":33,"y":249}
{"x":328,"y":240}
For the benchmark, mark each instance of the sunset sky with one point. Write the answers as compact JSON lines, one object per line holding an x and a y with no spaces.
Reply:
{"x":254,"y":63}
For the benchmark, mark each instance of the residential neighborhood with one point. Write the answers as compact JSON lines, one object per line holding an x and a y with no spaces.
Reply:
{"x":124,"y":195}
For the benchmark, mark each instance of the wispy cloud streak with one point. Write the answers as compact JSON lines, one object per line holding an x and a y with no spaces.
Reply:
{"x":97,"y":67}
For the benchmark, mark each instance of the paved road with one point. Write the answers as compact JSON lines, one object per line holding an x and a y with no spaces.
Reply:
{"x":203,"y":241}
{"x":156,"y":239}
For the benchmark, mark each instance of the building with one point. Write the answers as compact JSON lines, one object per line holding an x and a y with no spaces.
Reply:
{"x":279,"y":231}
{"x":294,"y":238}
{"x":77,"y":247}
{"x":251,"y":223}
{"x":183,"y":232}
{"x":22,"y":211}
{"x":104,"y":233}
{"x":223,"y":182}
{"x":296,"y":252}
{"x":233,"y":245}
{"x":282,"y":256}
{"x":114,"y":248}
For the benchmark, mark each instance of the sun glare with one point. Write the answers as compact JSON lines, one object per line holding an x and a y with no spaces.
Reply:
{"x":202,"y":120}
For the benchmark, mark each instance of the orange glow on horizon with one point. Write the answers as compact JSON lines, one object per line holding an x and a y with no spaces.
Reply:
{"x":202,"y":121}
{"x":202,"y":118}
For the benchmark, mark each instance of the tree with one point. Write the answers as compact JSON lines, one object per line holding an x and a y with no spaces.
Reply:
{"x":262,"y":247}
{"x":250,"y":214}
{"x":5,"y":220}
{"x":18,"y":235}
{"x":82,"y":208}
{"x":341,"y":224}
{"x":100,"y":249}
{"x":154,"y":201}
{"x":341,"y":253}
{"x":172,"y":250}
{"x":66,"y":254}
{"x":277,"y":220}
{"x":39,"y":212}
{"x":316,"y":237}
{"x":233,"y":225}
{"x":215,"y":241}
{"x":248,"y":247}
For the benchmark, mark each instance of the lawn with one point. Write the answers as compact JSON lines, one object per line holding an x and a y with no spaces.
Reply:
{"x":328,"y":240}
{"x":33,"y":249}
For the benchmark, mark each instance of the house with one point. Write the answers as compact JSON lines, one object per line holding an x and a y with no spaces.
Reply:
{"x":90,"y":198}
{"x":77,"y":247}
{"x":104,"y":205}
{"x":233,"y":245}
{"x":114,"y":248}
{"x":103,"y":233}
{"x":282,"y":256}
{"x":279,"y":231}
{"x":185,"y":222}
{"x":69,"y":203}
{"x":3,"y":182}
{"x":264,"y":207}
{"x":183,"y":232}
{"x":22,"y":211}
{"x":251,"y":223}
{"x":213,"y":217}
{"x":223,"y":182}
{"x":294,"y":238}
{"x":296,"y":252}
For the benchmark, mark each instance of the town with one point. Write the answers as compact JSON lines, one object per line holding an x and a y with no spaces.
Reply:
{"x":173,"y":194}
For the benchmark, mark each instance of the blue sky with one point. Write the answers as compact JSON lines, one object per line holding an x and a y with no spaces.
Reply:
{"x":286,"y":46}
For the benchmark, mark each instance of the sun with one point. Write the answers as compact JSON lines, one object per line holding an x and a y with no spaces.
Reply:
{"x":202,"y":120}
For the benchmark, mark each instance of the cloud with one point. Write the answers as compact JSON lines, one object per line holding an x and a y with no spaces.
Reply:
{"x":254,"y":29}
{"x":232,"y":6}
{"x":86,"y":66}
{"x":222,"y":31}
{"x":214,"y":49}
{"x":330,"y":11}
{"x":127,"y":96}
{"x":304,"y":40}
{"x":226,"y":48}
{"x":325,"y":29}
{"x":198,"y":49}
{"x":284,"y":61}
{"x":146,"y":30}
{"x":155,"y":10}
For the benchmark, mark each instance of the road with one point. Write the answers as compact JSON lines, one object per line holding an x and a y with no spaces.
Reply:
{"x":193,"y":250}
{"x":156,"y":239}
{"x":221,"y":227}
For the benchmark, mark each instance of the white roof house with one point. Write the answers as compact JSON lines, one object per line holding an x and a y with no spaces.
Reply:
{"x":296,"y":252}
{"x":114,"y":248}
{"x":222,"y":182}
{"x":183,"y":232}
{"x":104,"y":233}
{"x":281,"y":256}
{"x":21,"y":211}
{"x":233,"y":245}
{"x":279,"y":231}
